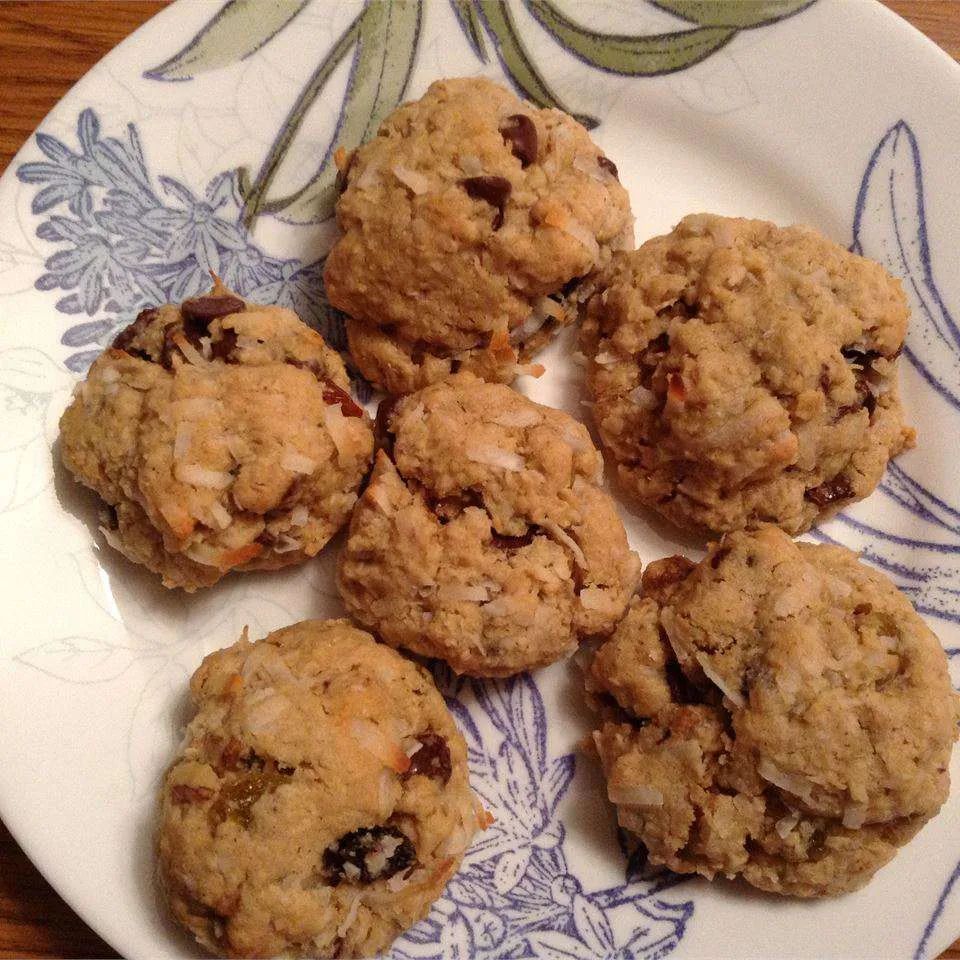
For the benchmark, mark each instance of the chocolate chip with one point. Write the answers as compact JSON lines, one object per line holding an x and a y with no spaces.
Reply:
{"x":223,"y":348}
{"x":334,"y":394}
{"x":605,"y":164}
{"x":133,"y":330}
{"x":831,"y":491}
{"x":382,"y":435}
{"x":183,"y":793}
{"x":660,"y":344}
{"x":199,"y":312}
{"x":432,"y":759}
{"x":521,"y":133}
{"x":860,"y":358}
{"x":368,"y":854}
{"x":492,"y":190}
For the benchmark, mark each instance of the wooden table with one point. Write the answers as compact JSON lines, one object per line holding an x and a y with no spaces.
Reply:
{"x":34,"y":921}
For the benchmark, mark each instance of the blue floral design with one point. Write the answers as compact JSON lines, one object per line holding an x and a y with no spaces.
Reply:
{"x":514,"y":896}
{"x":124,"y":245}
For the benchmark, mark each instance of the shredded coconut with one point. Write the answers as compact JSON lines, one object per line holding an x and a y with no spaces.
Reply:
{"x":494,"y":456}
{"x":734,"y":696}
{"x":297,"y":462}
{"x":412,"y":179}
{"x":562,"y":537}
{"x":588,"y":165}
{"x":645,"y":399}
{"x":182,"y":440}
{"x":460,"y":591}
{"x":199,"y":476}
{"x":471,"y":165}
{"x":798,"y":786}
{"x":854,"y":816}
{"x":524,"y":417}
{"x":784,"y":826}
{"x":636,"y":795}
{"x":220,"y":515}
{"x":350,"y":916}
{"x":579,"y":232}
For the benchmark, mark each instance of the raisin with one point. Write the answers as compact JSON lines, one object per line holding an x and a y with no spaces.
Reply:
{"x":184,"y":793}
{"x":606,"y":164}
{"x":237,"y":799}
{"x":130,"y":333}
{"x":831,"y":491}
{"x":334,"y":394}
{"x":223,"y":348}
{"x":512,"y":543}
{"x":860,"y":358}
{"x":521,"y":133}
{"x":230,"y":756}
{"x":368,"y":854}
{"x":660,"y":344}
{"x":492,"y":190}
{"x":432,"y":759}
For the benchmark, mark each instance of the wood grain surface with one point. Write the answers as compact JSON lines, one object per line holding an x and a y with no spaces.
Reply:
{"x":45,"y":47}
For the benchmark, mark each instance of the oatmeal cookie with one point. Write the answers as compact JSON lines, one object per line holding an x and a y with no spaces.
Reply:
{"x":483,"y":537}
{"x":466,"y":222}
{"x":744,"y":372}
{"x":222,"y":435}
{"x":777,"y":712}
{"x":319,"y":803}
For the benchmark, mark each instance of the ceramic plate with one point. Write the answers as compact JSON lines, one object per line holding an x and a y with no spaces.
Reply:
{"x":205,"y":142}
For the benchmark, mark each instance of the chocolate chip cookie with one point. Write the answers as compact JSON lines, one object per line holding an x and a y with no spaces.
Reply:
{"x":466,"y":222}
{"x":778,"y":712}
{"x":743,"y":372}
{"x":221,"y":435}
{"x":319,"y":803}
{"x":483,"y":537}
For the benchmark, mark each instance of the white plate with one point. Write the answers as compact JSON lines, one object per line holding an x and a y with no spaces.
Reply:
{"x":839,"y":115}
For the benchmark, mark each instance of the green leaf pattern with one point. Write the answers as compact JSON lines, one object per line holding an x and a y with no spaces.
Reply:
{"x":384,"y":39}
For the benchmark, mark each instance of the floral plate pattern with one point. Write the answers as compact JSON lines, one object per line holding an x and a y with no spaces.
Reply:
{"x":153,"y":172}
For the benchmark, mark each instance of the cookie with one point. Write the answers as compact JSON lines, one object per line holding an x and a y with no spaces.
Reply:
{"x":222,"y":436}
{"x":466,"y":222}
{"x":778,"y":712}
{"x":743,"y":372}
{"x":482,"y":537}
{"x":319,"y":802}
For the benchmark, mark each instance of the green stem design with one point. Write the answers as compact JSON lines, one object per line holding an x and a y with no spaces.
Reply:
{"x":517,"y":61}
{"x":470,"y":24}
{"x":741,"y":14}
{"x":238,"y":29}
{"x":385,"y":34}
{"x":634,"y":56}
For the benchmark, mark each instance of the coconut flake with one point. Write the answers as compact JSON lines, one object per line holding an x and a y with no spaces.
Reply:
{"x":297,"y":463}
{"x":524,"y":417}
{"x":299,"y":515}
{"x":645,"y":399}
{"x":337,"y":426}
{"x":206,"y":348}
{"x":593,"y":598}
{"x":220,"y":514}
{"x":386,"y":750}
{"x":189,"y":351}
{"x":380,"y":497}
{"x":350,"y":916}
{"x":195,"y":408}
{"x":412,"y":179}
{"x":588,"y":165}
{"x":854,"y":816}
{"x":463,"y":592}
{"x":198,"y":476}
{"x":798,"y":786}
{"x":561,"y":536}
{"x":471,"y":165}
{"x":369,"y":178}
{"x":498,"y":607}
{"x":204,"y":554}
{"x":574,"y":438}
{"x":262,"y":715}
{"x":110,"y":375}
{"x":785,"y":825}
{"x":182,"y":440}
{"x":494,"y":456}
{"x":605,"y":359}
{"x":734,"y":696}
{"x":578,"y":231}
{"x":636,"y":795}
{"x":112,"y":537}
{"x":286,"y":544}
{"x":397,"y":882}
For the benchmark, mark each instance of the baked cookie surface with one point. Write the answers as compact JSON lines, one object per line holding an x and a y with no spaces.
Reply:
{"x":320,"y":801}
{"x":482,"y":537}
{"x":463,"y":222}
{"x":744,"y":373}
{"x":777,"y":712}
{"x":222,"y":434}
